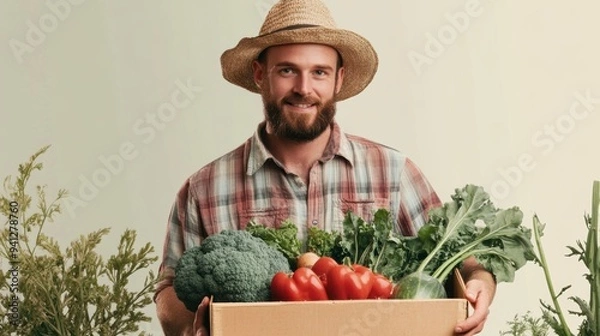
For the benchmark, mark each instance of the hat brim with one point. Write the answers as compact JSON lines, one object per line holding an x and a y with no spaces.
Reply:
{"x":359,"y":58}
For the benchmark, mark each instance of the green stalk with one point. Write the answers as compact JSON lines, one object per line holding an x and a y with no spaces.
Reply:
{"x":54,"y":315}
{"x":355,"y":260}
{"x":595,"y":260}
{"x":451,"y":229}
{"x":544,"y":264}
{"x":364,"y":254}
{"x":45,"y":216}
{"x":376,"y":264}
{"x":446,"y":268}
{"x":468,"y":250}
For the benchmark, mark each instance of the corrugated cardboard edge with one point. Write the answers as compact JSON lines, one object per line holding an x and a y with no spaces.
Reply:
{"x":460,"y":291}
{"x":459,"y":287}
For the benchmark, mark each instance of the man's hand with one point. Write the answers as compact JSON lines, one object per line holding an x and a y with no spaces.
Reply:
{"x":201,"y":322}
{"x":480,"y":288}
{"x":480,"y":298}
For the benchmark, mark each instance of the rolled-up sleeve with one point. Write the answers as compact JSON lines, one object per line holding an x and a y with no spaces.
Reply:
{"x":182,"y":232}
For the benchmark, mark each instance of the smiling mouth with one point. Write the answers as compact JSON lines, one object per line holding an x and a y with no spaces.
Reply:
{"x":303,"y":105}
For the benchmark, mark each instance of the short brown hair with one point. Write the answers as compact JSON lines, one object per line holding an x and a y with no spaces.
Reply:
{"x":262,"y":58}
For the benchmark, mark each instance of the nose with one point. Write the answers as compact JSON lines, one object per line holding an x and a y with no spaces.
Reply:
{"x":303,"y":85}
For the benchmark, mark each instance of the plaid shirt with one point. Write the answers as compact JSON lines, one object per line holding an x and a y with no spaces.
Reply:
{"x":248,"y":183}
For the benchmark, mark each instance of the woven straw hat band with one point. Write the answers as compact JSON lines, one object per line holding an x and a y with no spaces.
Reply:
{"x":293,"y":12}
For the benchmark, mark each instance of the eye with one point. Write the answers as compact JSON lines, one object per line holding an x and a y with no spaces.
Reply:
{"x":286,"y":71}
{"x":320,"y":73}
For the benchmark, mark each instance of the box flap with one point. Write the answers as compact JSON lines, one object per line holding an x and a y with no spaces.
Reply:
{"x":459,"y":288}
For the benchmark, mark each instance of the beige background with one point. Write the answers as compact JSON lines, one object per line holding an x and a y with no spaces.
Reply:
{"x":494,"y":103}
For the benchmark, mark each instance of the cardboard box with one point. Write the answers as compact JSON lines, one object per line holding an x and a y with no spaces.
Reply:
{"x":343,"y":318}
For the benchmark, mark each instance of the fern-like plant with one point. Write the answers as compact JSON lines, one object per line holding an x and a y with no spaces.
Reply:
{"x":46,"y":290}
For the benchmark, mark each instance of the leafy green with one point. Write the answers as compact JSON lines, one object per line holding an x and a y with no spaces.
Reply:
{"x":324,"y":243}
{"x":364,"y":242}
{"x":502,"y":247}
{"x":284,"y":238}
{"x":469,"y":225}
{"x":357,"y":238}
{"x":452,"y":226}
{"x":402,"y":257}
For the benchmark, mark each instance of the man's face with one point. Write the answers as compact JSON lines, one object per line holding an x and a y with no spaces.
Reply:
{"x":298,"y":84}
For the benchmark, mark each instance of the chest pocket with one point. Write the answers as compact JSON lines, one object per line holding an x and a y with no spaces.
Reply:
{"x":363,"y":208}
{"x":268,"y":217}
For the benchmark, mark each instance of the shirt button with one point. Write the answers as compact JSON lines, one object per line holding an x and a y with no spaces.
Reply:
{"x":315,"y":222}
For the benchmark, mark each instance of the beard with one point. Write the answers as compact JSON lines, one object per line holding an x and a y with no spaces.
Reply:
{"x":298,"y":126}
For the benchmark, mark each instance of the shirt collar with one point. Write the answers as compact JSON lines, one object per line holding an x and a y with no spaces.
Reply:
{"x":257,"y":153}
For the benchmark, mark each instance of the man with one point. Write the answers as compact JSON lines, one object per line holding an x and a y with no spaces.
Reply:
{"x":299,"y":165}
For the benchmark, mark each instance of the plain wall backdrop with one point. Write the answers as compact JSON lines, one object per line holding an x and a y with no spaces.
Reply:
{"x":503,"y":94}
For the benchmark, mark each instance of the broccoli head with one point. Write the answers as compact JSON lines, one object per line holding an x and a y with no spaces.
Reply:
{"x":231,"y":266}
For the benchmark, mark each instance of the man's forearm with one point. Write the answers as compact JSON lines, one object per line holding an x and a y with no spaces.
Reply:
{"x":174,"y":318}
{"x":473,"y":270}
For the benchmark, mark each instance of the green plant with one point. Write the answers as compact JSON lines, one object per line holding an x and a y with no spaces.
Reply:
{"x":468,"y":226}
{"x":587,"y":252}
{"x":553,"y":315}
{"x":76,"y":291}
{"x":284,"y":239}
{"x":526,"y":325}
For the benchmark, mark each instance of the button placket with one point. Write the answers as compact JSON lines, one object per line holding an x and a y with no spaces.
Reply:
{"x":314,"y":200}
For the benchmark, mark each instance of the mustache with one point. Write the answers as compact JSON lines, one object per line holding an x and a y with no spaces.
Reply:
{"x":297,"y":99}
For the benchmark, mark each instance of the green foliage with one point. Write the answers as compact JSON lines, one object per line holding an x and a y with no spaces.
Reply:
{"x":67,"y":292}
{"x":325,"y":243}
{"x":553,"y":316}
{"x":467,"y":226}
{"x":587,"y":253}
{"x":526,"y":325}
{"x":365,"y":242}
{"x":284,"y":239}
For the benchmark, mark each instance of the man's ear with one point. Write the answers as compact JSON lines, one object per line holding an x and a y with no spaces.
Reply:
{"x":258,"y":72}
{"x":339,"y":80}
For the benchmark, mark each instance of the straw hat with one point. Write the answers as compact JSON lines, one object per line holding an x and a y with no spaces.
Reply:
{"x":303,"y":21}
